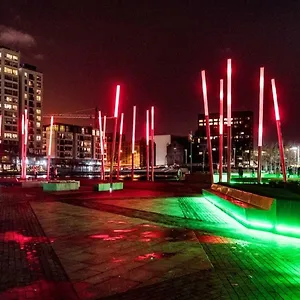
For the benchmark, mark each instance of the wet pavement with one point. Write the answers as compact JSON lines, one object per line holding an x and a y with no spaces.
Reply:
{"x":169,"y":247}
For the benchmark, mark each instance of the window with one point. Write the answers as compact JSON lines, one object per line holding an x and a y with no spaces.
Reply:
{"x":38,"y":92}
{"x":25,"y":74}
{"x":8,"y":70}
{"x":38,"y":98}
{"x":38,"y":118}
{"x":25,"y":96}
{"x":38,"y":111}
{"x":15,"y":107}
{"x":9,"y":56}
{"x":7,"y":106}
{"x":38,"y":124}
{"x":8,"y":99}
{"x":38,"y":138}
{"x":15,"y":57}
{"x":15,"y":72}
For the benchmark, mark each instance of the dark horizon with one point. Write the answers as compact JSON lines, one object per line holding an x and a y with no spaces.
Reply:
{"x":156,"y":52}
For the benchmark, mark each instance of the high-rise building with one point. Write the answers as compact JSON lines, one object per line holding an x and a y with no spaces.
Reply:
{"x":9,"y":101}
{"x":242,"y":138}
{"x":31,"y":98}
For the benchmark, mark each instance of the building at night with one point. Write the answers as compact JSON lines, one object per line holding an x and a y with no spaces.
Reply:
{"x":9,"y":100}
{"x":31,"y":98}
{"x":171,"y":149}
{"x":71,"y":142}
{"x":242,"y":138}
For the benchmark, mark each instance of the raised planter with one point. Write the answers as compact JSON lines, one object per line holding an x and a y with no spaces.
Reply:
{"x":32,"y":184}
{"x":105,"y":186}
{"x":55,"y":186}
{"x":254,"y":211}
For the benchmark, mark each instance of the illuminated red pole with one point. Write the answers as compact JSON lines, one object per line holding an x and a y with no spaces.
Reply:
{"x":221,"y":130}
{"x":104,"y":144}
{"x":120,"y":145}
{"x":133,"y":142}
{"x":22,"y":145}
{"x":152,"y":143}
{"x":114,"y":134}
{"x":229,"y":71}
{"x":260,"y":124}
{"x":24,"y":142}
{"x":101,"y":146}
{"x":278,"y":125}
{"x":210,"y":160}
{"x":49,"y":148}
{"x":147,"y":144}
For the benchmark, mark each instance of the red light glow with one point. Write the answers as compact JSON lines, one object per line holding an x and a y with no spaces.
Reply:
{"x":221,"y":105}
{"x":0,"y":125}
{"x":277,"y":116}
{"x":229,"y":72}
{"x":147,"y":127}
{"x":117,"y":101}
{"x":100,"y":132}
{"x":152,"y":117}
{"x":50,"y":139}
{"x":204,"y":90}
{"x":133,"y":129}
{"x":26,"y":128}
{"x":121,"y":123}
{"x":261,"y":106}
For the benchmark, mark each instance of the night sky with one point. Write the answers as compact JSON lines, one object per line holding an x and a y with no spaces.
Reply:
{"x":156,"y":50}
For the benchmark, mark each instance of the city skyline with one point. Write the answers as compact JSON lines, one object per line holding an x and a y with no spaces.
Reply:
{"x":157,"y":56}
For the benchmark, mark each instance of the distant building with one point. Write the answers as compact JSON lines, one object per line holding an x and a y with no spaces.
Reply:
{"x":31,"y":98}
{"x":71,"y":142}
{"x":9,"y":99}
{"x":171,"y":149}
{"x":242,"y":138}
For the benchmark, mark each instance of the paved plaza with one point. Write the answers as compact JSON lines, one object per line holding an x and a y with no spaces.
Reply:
{"x":137,"y":244}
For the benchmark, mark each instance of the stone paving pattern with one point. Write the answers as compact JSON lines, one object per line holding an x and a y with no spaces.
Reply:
{"x":110,"y":247}
{"x":105,"y":253}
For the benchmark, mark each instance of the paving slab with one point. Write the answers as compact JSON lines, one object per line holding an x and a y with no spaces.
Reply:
{"x":104,"y":253}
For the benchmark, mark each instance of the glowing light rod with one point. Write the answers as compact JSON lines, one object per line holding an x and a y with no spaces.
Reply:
{"x":210,"y":160}
{"x":120,"y":145}
{"x":278,"y":125}
{"x":49,"y":148}
{"x":221,"y":122}
{"x":133,"y":142}
{"x":147,"y":144}
{"x":152,"y":143}
{"x":229,"y":73}
{"x":260,"y":122}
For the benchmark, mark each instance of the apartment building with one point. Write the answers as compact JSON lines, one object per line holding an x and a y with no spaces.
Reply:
{"x":31,"y":98}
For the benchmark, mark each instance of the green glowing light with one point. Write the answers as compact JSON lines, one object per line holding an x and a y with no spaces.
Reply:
{"x":287,"y":229}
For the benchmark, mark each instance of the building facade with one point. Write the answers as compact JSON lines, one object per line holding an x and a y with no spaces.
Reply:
{"x":242,"y":138}
{"x":71,"y":142}
{"x":9,"y":101}
{"x":31,"y":98}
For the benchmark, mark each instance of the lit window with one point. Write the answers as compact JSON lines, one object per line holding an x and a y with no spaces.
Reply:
{"x":38,"y":111}
{"x":8,"y":70}
{"x":15,"y":72}
{"x":9,"y":56}
{"x":15,"y":57}
{"x":38,"y":118}
{"x":25,"y":74}
{"x":38,"y":138}
{"x":38,"y":98}
{"x":38,"y":92}
{"x":7,"y":106}
{"x":38,"y":124}
{"x":15,"y":107}
{"x":25,"y":96}
{"x":8,"y":99}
